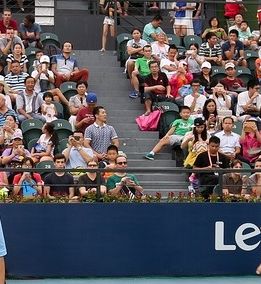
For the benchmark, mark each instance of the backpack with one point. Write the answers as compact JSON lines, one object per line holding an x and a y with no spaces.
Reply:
{"x":51,"y":50}
{"x":166,"y":119}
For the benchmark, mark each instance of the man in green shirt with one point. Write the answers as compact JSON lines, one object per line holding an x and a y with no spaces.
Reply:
{"x":140,"y":71}
{"x":122,"y":183}
{"x":178,"y":129}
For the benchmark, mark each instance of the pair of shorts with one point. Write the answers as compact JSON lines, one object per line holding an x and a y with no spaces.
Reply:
{"x":108,"y":21}
{"x":175,"y":139}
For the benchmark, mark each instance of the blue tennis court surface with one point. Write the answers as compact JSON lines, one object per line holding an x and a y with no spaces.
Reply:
{"x":167,"y":280}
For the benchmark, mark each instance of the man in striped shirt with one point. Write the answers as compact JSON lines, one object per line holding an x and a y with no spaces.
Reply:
{"x":211,"y":50}
{"x":15,"y":79}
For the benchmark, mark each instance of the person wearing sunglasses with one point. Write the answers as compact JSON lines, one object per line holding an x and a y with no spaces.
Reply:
{"x":89,"y":181}
{"x":122,"y":183}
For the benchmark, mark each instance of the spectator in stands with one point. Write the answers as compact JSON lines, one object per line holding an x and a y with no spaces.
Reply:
{"x":195,"y":142}
{"x":211,"y":50}
{"x":28,"y":102}
{"x":77,"y":156}
{"x":229,"y":141}
{"x":177,"y":130}
{"x":249,"y":102}
{"x":48,"y":109}
{"x":250,"y":141}
{"x":244,"y":34}
{"x":156,"y":88}
{"x":170,"y":64}
{"x":231,"y":10}
{"x":30,"y":32}
{"x":210,"y":112}
{"x":110,"y":161}
{"x":215,"y":28}
{"x":206,"y":79}
{"x":181,"y":78}
{"x":38,"y":55}
{"x":210,"y":159}
{"x":255,"y":182}
{"x":44,"y":148}
{"x":234,"y":184}
{"x":134,"y":49}
{"x":44,"y":78}
{"x":27,"y":184}
{"x":8,"y":129}
{"x":88,"y":182}
{"x":258,"y":68}
{"x":183,"y":18}
{"x":194,"y":60}
{"x":5,"y":90}
{"x":85,"y":115}
{"x":221,"y":97}
{"x":78,"y":101}
{"x":122,"y":183}
{"x":59,"y":183}
{"x":20,"y":4}
{"x":159,"y":47}
{"x":153,"y":29}
{"x":65,"y":67}
{"x":16,"y":80}
{"x":7,"y":22}
{"x":140,"y":71}
{"x":12,"y":156}
{"x":195,"y":101}
{"x":7,"y":43}
{"x":5,"y":111}
{"x":233,"y":50}
{"x":17,"y":55}
{"x":237,"y":26}
{"x":108,"y":23}
{"x":100,"y":135}
{"x":231,"y":82}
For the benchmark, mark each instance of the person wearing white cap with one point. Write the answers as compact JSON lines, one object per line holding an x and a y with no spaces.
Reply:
{"x":231,"y":82}
{"x":205,"y":77}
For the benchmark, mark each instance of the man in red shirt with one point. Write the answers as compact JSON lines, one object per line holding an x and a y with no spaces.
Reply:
{"x":85,"y":115}
{"x":231,"y":82}
{"x":7,"y":21}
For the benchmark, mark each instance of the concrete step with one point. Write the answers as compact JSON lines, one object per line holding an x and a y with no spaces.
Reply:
{"x":164,"y":186}
{"x":142,"y":149}
{"x":133,"y":155}
{"x":118,"y":85}
{"x":145,"y":163}
{"x":121,"y":102}
{"x":122,"y":119}
{"x":140,"y":134}
{"x":110,"y":104}
{"x":158,"y":178}
{"x":130,"y":113}
{"x":138,"y":142}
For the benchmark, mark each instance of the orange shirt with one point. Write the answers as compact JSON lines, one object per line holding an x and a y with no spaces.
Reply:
{"x":258,"y":69}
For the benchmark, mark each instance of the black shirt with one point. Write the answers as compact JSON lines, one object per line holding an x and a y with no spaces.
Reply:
{"x":59,"y":185}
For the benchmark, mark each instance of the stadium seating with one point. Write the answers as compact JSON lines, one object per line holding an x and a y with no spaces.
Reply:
{"x":251,"y":57}
{"x":30,"y":53}
{"x":63,"y":128}
{"x":31,"y":128}
{"x":189,"y":39}
{"x":49,"y":38}
{"x":62,"y":145}
{"x":244,"y":74}
{"x":45,"y":167}
{"x":122,"y":40}
{"x":174,"y":39}
{"x":68,"y":89}
{"x":59,"y":108}
{"x":31,"y":144}
{"x":218,"y":73}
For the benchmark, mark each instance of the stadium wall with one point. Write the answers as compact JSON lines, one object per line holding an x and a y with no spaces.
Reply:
{"x":161,"y":239}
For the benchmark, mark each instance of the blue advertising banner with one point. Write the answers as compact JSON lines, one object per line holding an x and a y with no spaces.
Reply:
{"x":62,"y":240}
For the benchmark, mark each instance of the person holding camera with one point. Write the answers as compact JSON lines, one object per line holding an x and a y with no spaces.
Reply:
{"x":210,"y":159}
{"x":122,"y":183}
{"x":76,"y":155}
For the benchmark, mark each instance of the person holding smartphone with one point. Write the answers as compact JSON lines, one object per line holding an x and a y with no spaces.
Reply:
{"x":122,"y":183}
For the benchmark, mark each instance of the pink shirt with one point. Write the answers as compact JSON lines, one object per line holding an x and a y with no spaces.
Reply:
{"x":250,"y":142}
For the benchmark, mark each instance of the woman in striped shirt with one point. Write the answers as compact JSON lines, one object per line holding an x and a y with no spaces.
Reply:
{"x":18,"y":55}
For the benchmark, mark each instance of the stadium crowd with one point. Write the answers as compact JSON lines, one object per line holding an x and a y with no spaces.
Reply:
{"x":36,"y":94}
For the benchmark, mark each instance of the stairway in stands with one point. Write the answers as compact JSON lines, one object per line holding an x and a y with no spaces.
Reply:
{"x":109,"y":82}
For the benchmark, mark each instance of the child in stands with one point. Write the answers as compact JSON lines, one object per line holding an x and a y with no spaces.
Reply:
{"x":48,"y":109}
{"x":178,"y":129}
{"x":110,"y":162}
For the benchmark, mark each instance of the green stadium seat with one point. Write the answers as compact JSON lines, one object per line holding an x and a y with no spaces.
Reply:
{"x":251,"y":56}
{"x":63,"y":128}
{"x":122,"y":40}
{"x":174,"y":39}
{"x":31,"y":144}
{"x":62,"y":145}
{"x":49,"y":38}
{"x":45,"y":167}
{"x":218,"y":72}
{"x":167,"y":106}
{"x":29,"y":124}
{"x":244,"y":74}
{"x":68,"y":89}
{"x":59,"y":108}
{"x":238,"y":127}
{"x":30,"y":53}
{"x":189,"y":39}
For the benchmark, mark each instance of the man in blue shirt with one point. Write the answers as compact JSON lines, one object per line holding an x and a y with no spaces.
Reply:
{"x":3,"y":252}
{"x":233,"y":50}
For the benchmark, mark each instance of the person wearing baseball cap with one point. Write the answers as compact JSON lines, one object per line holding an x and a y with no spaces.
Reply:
{"x":231,"y":82}
{"x":205,"y":77}
{"x":84,"y":116}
